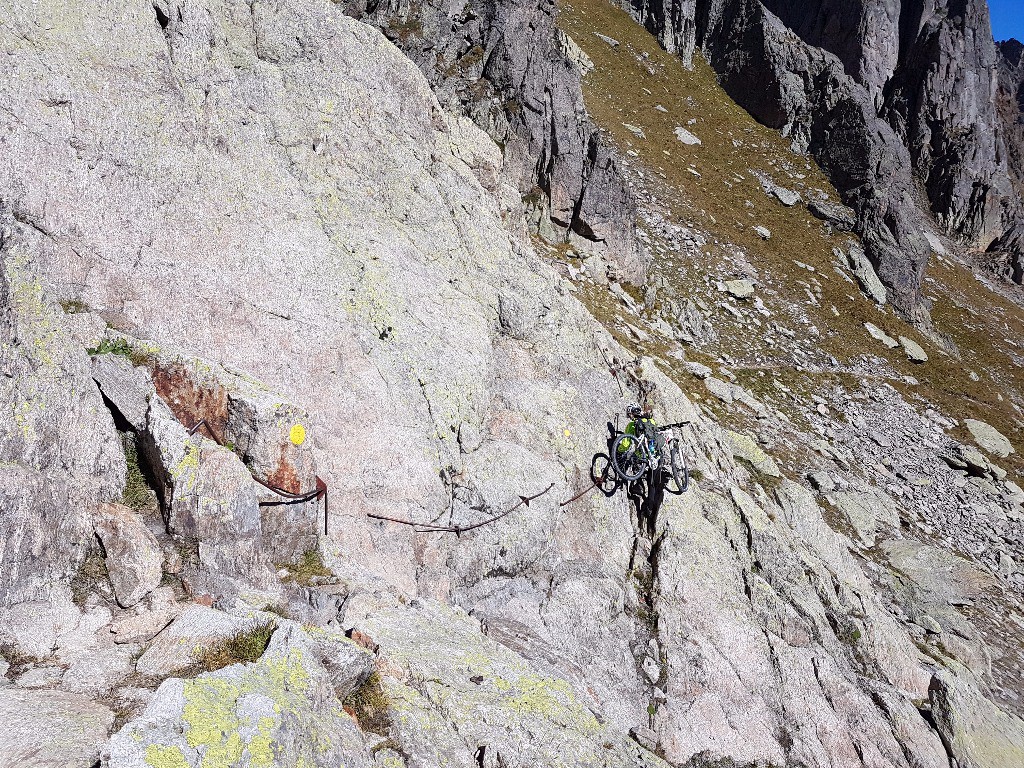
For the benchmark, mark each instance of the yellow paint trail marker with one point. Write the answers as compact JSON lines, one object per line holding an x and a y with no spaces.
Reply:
{"x":297,"y":434}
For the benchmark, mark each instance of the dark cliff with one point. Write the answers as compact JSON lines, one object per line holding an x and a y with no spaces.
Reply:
{"x":899,"y":102}
{"x":506,"y":66}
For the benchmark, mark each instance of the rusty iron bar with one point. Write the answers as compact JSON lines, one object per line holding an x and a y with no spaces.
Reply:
{"x":320,"y":492}
{"x":460,"y":529}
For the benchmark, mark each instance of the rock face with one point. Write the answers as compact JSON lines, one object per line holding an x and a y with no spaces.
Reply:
{"x":59,"y":453}
{"x":507,"y":67}
{"x":51,"y":728}
{"x":989,"y":438}
{"x":885,"y":95}
{"x":343,"y":250}
{"x":271,"y":196}
{"x":133,"y":556}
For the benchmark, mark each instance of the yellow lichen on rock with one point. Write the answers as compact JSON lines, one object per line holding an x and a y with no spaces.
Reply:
{"x":165,"y":757}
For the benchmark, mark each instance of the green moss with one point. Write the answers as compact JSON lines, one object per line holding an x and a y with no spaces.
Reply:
{"x":117,"y":346}
{"x":309,"y":569}
{"x":185,"y":470}
{"x":74,"y":306}
{"x":213,"y":725}
{"x":551,"y":699}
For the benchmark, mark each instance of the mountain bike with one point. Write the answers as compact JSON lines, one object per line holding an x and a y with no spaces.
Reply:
{"x":634,"y":455}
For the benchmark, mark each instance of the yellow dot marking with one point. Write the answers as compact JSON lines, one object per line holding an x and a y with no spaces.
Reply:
{"x":567,"y":433}
{"x":297,"y":434}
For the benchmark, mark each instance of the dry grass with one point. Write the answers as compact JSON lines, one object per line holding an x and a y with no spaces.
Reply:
{"x":91,"y":573}
{"x":370,"y":706}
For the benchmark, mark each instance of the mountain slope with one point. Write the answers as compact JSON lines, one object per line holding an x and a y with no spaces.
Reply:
{"x":889,"y":97}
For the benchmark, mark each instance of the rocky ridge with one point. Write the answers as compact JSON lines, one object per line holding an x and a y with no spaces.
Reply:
{"x":505,"y":66}
{"x":320,"y":276}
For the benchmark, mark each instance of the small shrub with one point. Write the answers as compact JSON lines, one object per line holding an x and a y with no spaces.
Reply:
{"x":112,"y":347}
{"x":18,"y":660}
{"x":91,"y":573}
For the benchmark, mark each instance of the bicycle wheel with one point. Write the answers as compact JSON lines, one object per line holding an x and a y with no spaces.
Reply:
{"x":680,"y":475}
{"x":603,"y":474}
{"x":630,"y":462}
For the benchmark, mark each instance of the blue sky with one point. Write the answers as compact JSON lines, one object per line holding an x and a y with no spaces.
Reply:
{"x":1007,"y":19}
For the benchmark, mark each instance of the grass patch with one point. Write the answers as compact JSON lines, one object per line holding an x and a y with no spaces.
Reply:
{"x":711,"y":188}
{"x":370,"y":705}
{"x":112,"y":347}
{"x":123,"y":348}
{"x":309,"y":570}
{"x":74,"y":306}
{"x":245,"y":646}
{"x":90,"y":575}
{"x":278,"y":610}
{"x":137,"y":493}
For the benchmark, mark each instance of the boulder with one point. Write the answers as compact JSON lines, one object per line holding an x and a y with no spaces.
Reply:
{"x":763,"y":232}
{"x":723,"y":390}
{"x":838,"y":215}
{"x":348,"y":663}
{"x":989,"y":438}
{"x":822,"y":481}
{"x":915,"y":352}
{"x":686,"y":137}
{"x":182,"y":644}
{"x":967,"y":458}
{"x":133,"y":556}
{"x":280,"y":710}
{"x":880,"y":335}
{"x":787,"y":197}
{"x":125,"y":386}
{"x":865,"y":273}
{"x":142,"y":627}
{"x":744,"y":447}
{"x":740,"y":289}
{"x":45,"y":729}
{"x":573,"y":53}
{"x":867,"y":511}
